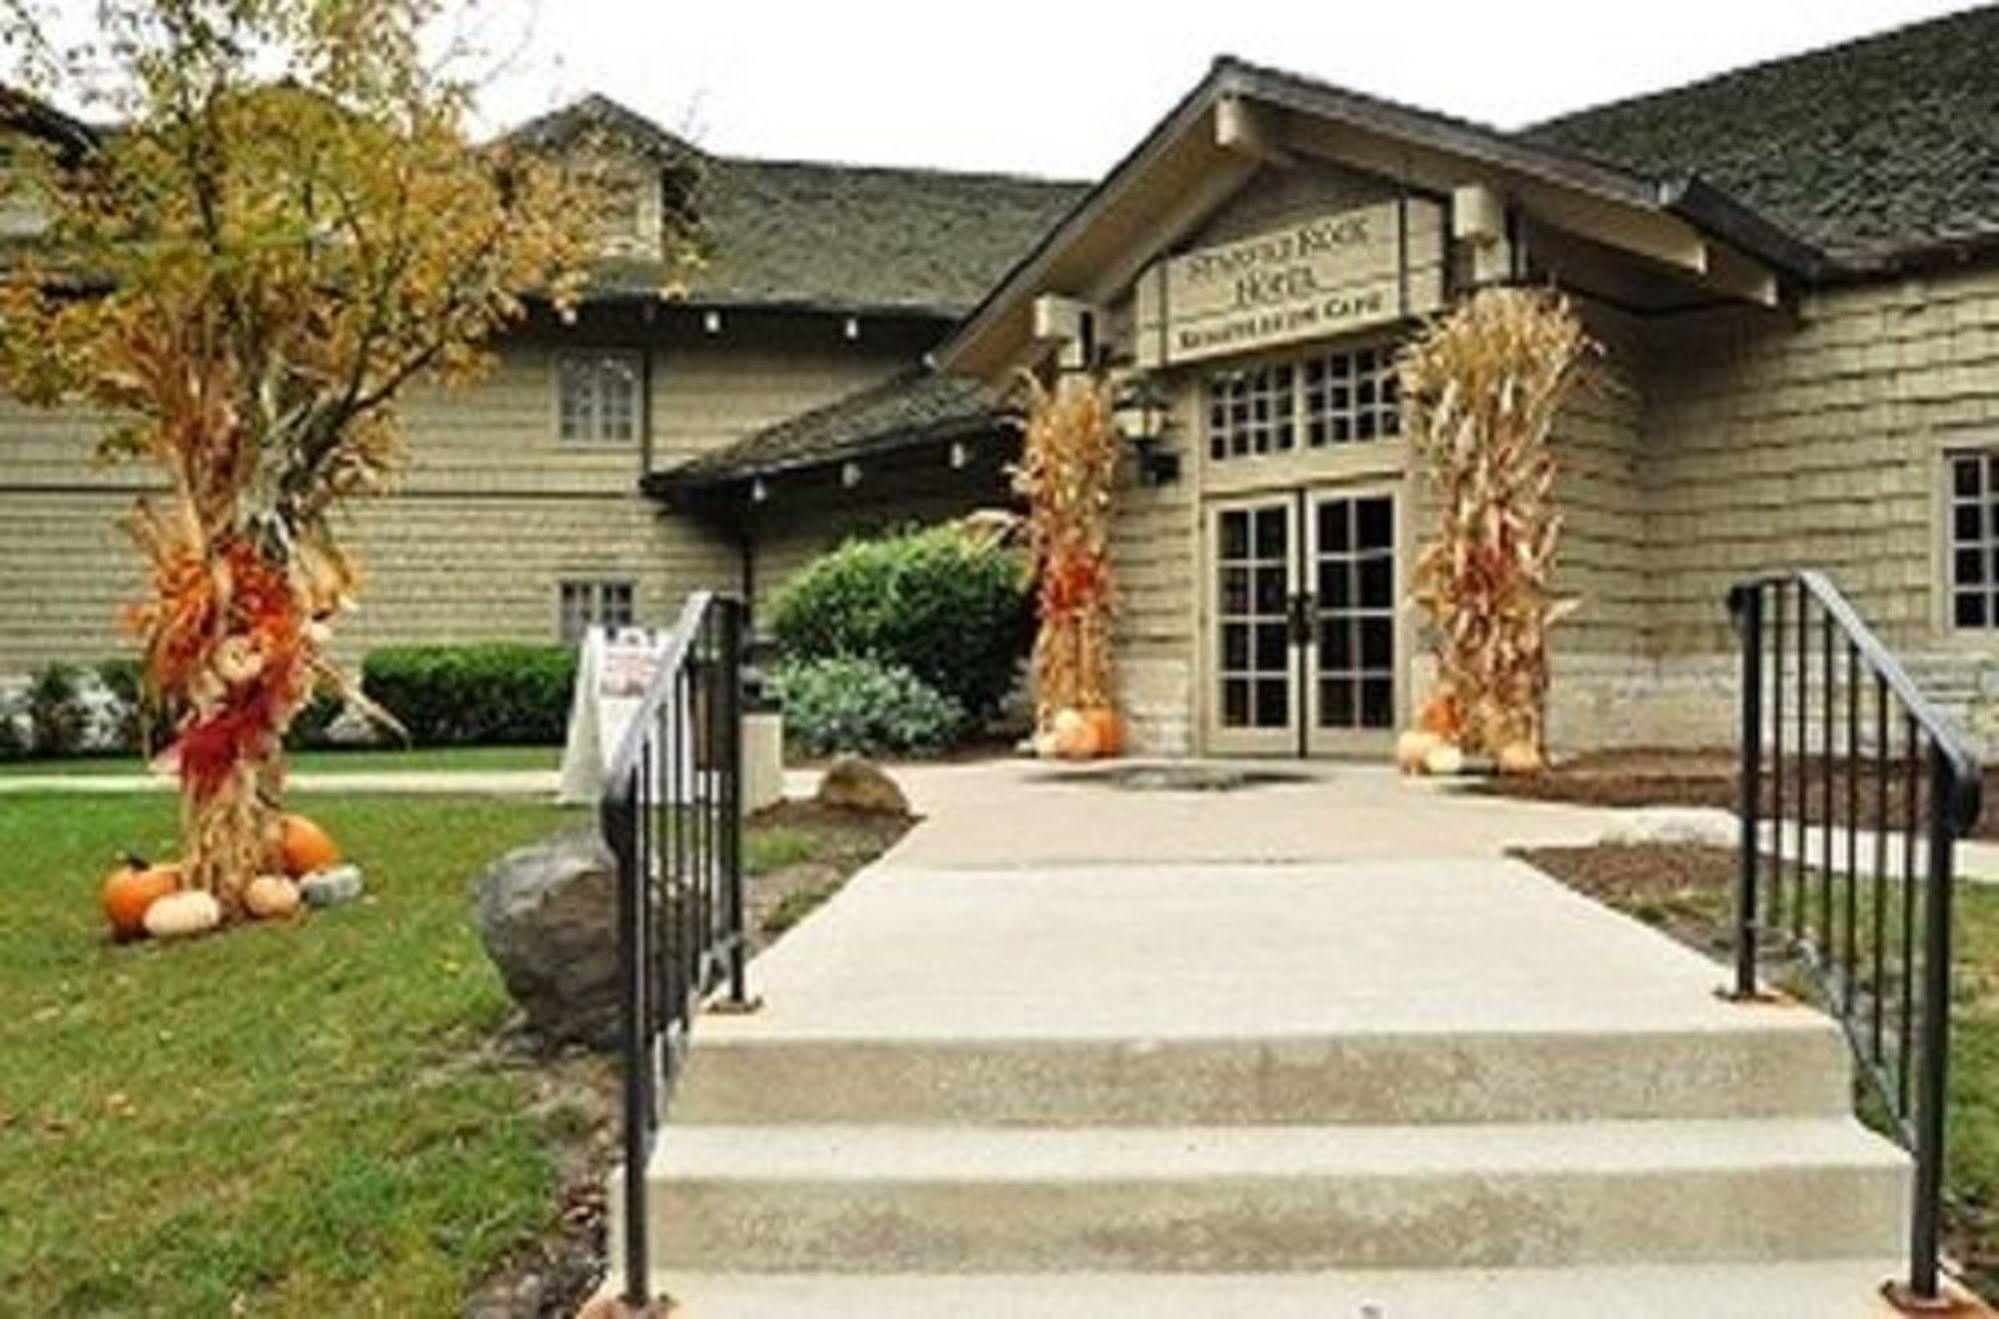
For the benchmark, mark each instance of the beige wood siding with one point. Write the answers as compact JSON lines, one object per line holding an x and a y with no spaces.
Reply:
{"x":1598,"y":443}
{"x":490,"y":514}
{"x":1818,"y":444}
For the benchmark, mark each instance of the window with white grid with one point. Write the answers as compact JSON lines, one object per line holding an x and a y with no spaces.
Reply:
{"x":597,"y":397}
{"x":1974,"y":540}
{"x":584,"y":601}
{"x":1344,"y":397}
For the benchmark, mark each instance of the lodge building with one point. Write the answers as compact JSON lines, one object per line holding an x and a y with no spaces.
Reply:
{"x":1792,"y":271}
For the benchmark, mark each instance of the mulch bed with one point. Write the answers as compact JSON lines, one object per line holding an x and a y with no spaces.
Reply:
{"x":1683,"y":890}
{"x":1708,"y":778}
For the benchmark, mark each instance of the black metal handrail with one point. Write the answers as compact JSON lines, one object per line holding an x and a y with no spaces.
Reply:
{"x":671,"y":815}
{"x":1880,"y":956}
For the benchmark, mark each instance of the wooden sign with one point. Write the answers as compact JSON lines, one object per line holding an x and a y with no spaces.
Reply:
{"x":1326,"y":275}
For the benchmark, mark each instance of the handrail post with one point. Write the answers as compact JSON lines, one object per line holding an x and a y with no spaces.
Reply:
{"x":1935,"y":1074}
{"x":618,"y":816}
{"x":732,"y":804}
{"x":1746,"y":604}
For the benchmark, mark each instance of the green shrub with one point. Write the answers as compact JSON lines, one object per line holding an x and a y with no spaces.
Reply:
{"x":13,"y":737}
{"x":952,"y":611}
{"x":846,"y":703}
{"x":57,"y":716}
{"x":487,"y":692}
{"x":136,"y":726}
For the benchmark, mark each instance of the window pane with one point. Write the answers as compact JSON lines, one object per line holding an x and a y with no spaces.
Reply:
{"x":1273,"y":646}
{"x":1336,"y":645}
{"x":1377,"y":643}
{"x":1272,"y":534}
{"x":1336,"y":703}
{"x":1273,"y":703}
{"x":1235,"y":646}
{"x":1377,"y":584}
{"x":1235,"y":702}
{"x":577,"y":400}
{"x":1377,"y":703}
{"x":1964,"y":477}
{"x":1966,"y":522}
{"x":1235,"y":590}
{"x":615,"y":606}
{"x":1334,"y":531}
{"x":1374,"y":523}
{"x":1971,"y":609}
{"x":1235,"y":535}
{"x":618,"y":394}
{"x":1271,"y":590}
{"x":1970,"y":566}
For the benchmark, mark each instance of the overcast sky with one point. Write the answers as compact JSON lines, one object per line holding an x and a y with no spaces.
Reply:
{"x":1064,"y":87}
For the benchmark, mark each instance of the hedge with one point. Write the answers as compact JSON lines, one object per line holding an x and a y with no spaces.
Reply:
{"x":487,"y":692}
{"x":954,"y":611}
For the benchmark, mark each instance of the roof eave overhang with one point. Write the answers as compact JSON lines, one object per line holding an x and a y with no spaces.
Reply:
{"x":1685,"y":212}
{"x":698,"y":476}
{"x":801,"y":305}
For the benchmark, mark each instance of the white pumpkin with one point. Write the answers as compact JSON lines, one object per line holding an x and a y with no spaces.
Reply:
{"x":178,"y":915}
{"x":271,"y":897}
{"x":1521,"y":757}
{"x":1413,"y":748}
{"x":1444,"y":760}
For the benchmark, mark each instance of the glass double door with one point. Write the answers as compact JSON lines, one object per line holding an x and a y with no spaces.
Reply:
{"x":1304,"y":646}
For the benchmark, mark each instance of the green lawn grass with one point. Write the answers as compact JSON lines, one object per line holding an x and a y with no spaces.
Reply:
{"x":290,"y":1119}
{"x":326,"y":760}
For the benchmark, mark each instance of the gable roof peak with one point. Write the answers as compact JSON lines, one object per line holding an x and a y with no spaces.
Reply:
{"x":595,"y":112}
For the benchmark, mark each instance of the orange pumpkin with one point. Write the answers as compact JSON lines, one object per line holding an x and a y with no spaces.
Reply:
{"x":1107,"y":730}
{"x":305,"y":847}
{"x":132,"y":888}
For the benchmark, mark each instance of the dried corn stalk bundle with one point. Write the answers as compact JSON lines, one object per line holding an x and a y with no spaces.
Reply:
{"x":1482,"y":388}
{"x":1066,"y":475}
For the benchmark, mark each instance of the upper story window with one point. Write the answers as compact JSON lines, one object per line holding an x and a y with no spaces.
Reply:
{"x":583,"y":601}
{"x":1329,"y":398}
{"x":1974,"y":539}
{"x":597,"y":397}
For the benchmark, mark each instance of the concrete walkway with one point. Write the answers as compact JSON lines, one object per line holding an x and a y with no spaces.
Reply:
{"x":1312,"y":1046}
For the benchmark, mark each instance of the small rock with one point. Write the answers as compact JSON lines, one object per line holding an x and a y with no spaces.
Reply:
{"x":854,"y":784}
{"x":331,"y":886}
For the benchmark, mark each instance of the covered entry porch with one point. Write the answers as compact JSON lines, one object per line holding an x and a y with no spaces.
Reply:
{"x":1253,"y":270}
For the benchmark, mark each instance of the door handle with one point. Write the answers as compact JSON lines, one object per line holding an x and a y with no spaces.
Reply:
{"x":1299,"y":611}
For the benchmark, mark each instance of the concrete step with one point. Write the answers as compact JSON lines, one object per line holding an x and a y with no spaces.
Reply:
{"x":1766,"y":1062}
{"x":940,"y":1199}
{"x":1819,"y":1289}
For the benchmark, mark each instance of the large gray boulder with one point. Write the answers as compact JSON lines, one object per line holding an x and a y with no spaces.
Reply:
{"x":546,"y":915}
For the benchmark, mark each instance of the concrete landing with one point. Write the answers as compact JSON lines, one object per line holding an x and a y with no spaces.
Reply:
{"x":1189,"y":951}
{"x":1312,"y":1047}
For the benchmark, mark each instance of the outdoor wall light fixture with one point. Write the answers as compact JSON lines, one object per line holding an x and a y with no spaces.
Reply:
{"x":1143,"y":414}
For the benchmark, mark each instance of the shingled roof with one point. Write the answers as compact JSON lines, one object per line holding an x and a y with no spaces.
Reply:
{"x":1872,"y":150}
{"x":909,"y":408}
{"x":824,"y":235}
